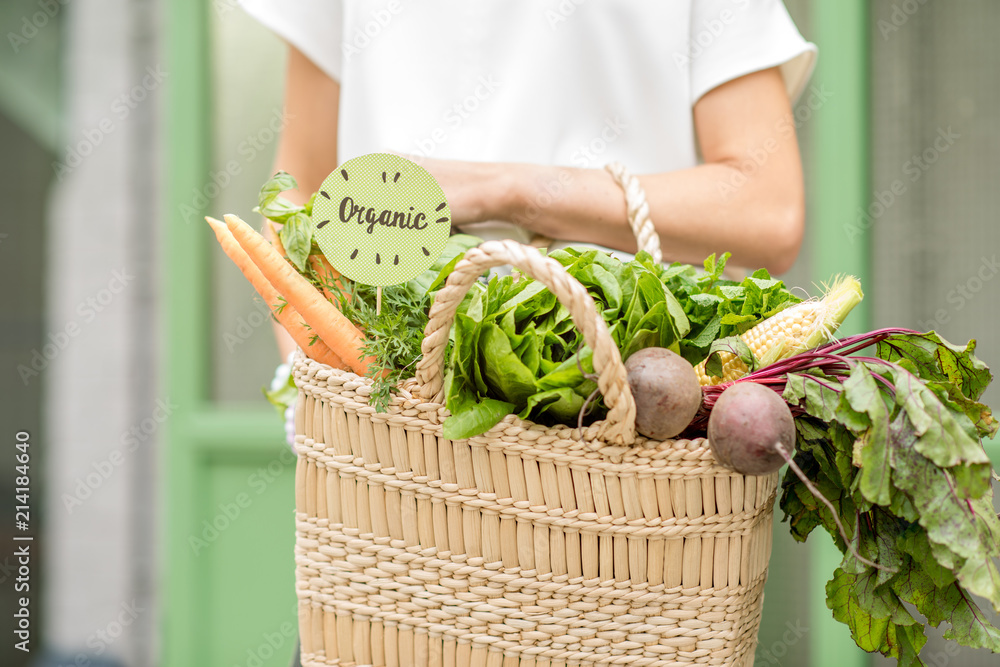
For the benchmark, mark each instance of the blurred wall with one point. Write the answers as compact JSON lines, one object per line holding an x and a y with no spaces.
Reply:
{"x":935,"y":197}
{"x":30,"y":114}
{"x":23,"y":185}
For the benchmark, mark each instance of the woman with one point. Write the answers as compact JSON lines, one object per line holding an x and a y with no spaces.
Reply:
{"x":515,"y":106}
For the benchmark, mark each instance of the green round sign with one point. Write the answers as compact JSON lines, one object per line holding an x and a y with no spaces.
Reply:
{"x":381,"y":219}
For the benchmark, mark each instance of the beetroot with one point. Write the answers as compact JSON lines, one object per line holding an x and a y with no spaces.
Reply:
{"x":666,"y":392}
{"x":746,"y":424}
{"x":751,"y":430}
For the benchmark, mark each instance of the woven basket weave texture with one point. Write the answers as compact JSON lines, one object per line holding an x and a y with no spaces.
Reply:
{"x":527,"y":546}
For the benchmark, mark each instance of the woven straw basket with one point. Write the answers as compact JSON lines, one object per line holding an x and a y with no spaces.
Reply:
{"x":527,"y":546}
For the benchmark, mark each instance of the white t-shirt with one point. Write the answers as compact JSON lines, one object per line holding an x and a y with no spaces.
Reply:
{"x":562,"y":82}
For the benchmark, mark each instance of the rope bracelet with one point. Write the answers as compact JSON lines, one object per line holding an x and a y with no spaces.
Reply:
{"x":637,"y":209}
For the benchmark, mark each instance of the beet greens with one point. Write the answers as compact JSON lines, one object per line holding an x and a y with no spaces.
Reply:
{"x":894,"y":441}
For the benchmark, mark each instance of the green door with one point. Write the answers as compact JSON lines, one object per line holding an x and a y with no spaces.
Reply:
{"x":229,"y":591}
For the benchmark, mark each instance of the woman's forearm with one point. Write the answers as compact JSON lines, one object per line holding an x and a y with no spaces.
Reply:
{"x":698,"y":211}
{"x":747,"y":198}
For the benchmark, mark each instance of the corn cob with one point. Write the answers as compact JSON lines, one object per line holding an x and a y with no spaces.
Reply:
{"x":802,"y":327}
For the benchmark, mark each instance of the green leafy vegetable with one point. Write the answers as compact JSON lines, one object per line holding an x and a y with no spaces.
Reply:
{"x":517,"y":344}
{"x":735,"y":346}
{"x":894,"y":441}
{"x":296,"y":233}
{"x":475,"y":418}
{"x":296,"y":237}
{"x":395,"y":334}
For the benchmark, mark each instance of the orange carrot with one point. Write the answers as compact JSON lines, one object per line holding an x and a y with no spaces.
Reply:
{"x":287,"y":316}
{"x":326,"y":274}
{"x":332,"y":327}
{"x":329,"y":277}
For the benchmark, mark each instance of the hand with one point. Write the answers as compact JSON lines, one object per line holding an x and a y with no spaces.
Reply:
{"x":476,"y":191}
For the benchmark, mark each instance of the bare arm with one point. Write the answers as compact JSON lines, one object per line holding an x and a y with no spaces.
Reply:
{"x":747,"y":198}
{"x":308,"y":145}
{"x":736,"y":201}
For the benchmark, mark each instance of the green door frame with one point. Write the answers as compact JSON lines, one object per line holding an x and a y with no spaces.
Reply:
{"x":185,"y":367}
{"x":841,"y":181}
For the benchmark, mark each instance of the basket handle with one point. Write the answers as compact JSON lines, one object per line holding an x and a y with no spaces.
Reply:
{"x":637,"y":209}
{"x":619,"y":427}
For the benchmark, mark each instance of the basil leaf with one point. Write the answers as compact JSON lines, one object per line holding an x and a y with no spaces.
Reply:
{"x":296,"y":236}
{"x":271,"y":205}
{"x":280,"y":182}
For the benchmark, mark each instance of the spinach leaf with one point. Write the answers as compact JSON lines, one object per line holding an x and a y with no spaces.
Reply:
{"x":525,"y":351}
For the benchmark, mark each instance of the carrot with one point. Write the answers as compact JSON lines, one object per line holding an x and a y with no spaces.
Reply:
{"x":287,"y":316}
{"x":326,"y":274}
{"x":332,"y":327}
{"x":329,"y":277}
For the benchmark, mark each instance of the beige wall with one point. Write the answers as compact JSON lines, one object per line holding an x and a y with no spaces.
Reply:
{"x":102,"y":232}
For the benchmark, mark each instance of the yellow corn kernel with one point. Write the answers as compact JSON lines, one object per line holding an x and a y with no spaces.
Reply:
{"x":797,"y":329}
